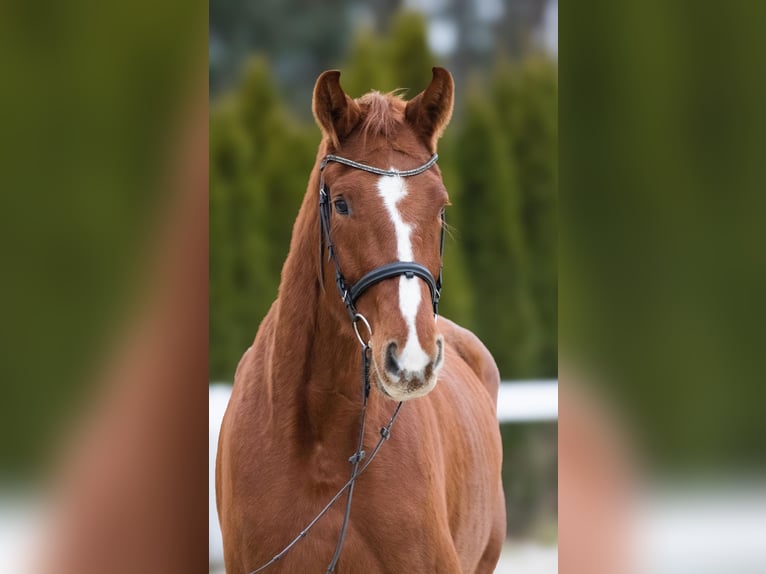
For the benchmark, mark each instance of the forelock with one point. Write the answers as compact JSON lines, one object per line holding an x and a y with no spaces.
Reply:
{"x":381,"y":113}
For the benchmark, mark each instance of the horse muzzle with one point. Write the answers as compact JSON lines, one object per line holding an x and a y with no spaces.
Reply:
{"x":408,"y":373}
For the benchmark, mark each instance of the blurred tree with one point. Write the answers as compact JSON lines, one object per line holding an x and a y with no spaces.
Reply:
{"x":232,"y":208}
{"x":402,"y":59}
{"x":259,"y":164}
{"x":517,"y":22}
{"x":366,"y":67}
{"x":88,"y":116}
{"x":239,"y":28}
{"x":458,"y":293}
{"x":383,"y":11}
{"x":409,"y":57}
{"x":493,"y":238}
{"x":525,"y":96}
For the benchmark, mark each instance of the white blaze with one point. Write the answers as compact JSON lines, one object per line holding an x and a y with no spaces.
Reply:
{"x":412,"y":358}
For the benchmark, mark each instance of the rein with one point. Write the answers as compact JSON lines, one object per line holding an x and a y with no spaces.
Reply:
{"x":355,"y":459}
{"x":349,"y":295}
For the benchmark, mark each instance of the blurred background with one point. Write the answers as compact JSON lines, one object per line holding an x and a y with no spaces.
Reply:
{"x":498,"y":157}
{"x":662,"y":282}
{"x":661,"y":232}
{"x":662,"y":265}
{"x":103,"y":298}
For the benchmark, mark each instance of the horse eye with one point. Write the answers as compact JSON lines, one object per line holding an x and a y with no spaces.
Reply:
{"x":341,"y":206}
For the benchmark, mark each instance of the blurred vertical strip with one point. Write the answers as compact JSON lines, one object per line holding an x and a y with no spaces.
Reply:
{"x":103,"y":297}
{"x":663,"y":266}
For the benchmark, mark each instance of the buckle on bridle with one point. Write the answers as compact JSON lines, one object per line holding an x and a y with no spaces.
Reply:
{"x":357,"y":457}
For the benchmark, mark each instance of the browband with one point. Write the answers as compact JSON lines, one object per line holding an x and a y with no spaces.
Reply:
{"x":376,"y":170}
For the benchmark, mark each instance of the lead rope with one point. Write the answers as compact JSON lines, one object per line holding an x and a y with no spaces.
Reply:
{"x":355,"y":459}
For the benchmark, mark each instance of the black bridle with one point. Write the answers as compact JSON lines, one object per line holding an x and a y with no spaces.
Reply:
{"x":349,"y":295}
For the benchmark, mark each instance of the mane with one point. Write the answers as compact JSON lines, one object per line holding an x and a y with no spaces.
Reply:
{"x":382,"y":112}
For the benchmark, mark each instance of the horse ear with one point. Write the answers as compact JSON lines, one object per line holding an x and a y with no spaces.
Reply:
{"x":335,"y":112}
{"x":430,"y":111}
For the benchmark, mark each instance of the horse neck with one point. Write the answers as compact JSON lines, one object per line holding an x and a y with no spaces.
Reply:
{"x":315,"y":361}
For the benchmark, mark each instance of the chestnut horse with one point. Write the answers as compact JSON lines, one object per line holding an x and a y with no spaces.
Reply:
{"x":432,"y":501}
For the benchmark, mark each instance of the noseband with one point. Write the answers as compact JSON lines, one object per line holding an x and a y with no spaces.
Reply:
{"x":349,"y":294}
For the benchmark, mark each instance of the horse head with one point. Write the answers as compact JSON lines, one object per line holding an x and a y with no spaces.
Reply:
{"x":382,"y":204}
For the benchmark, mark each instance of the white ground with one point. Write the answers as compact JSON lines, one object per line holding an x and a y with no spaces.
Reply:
{"x":528,"y":558}
{"x":516,"y":559}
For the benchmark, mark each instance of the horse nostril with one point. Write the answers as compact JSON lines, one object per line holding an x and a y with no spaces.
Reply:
{"x":436,"y":363}
{"x":439,"y":352}
{"x":392,"y":365}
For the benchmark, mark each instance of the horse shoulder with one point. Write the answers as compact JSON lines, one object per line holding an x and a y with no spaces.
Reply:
{"x":470,"y":348}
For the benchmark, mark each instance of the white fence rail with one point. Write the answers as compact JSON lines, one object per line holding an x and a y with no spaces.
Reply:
{"x":528,"y":401}
{"x":517,"y":401}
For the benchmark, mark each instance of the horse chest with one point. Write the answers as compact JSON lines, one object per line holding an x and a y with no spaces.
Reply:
{"x":394,"y":527}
